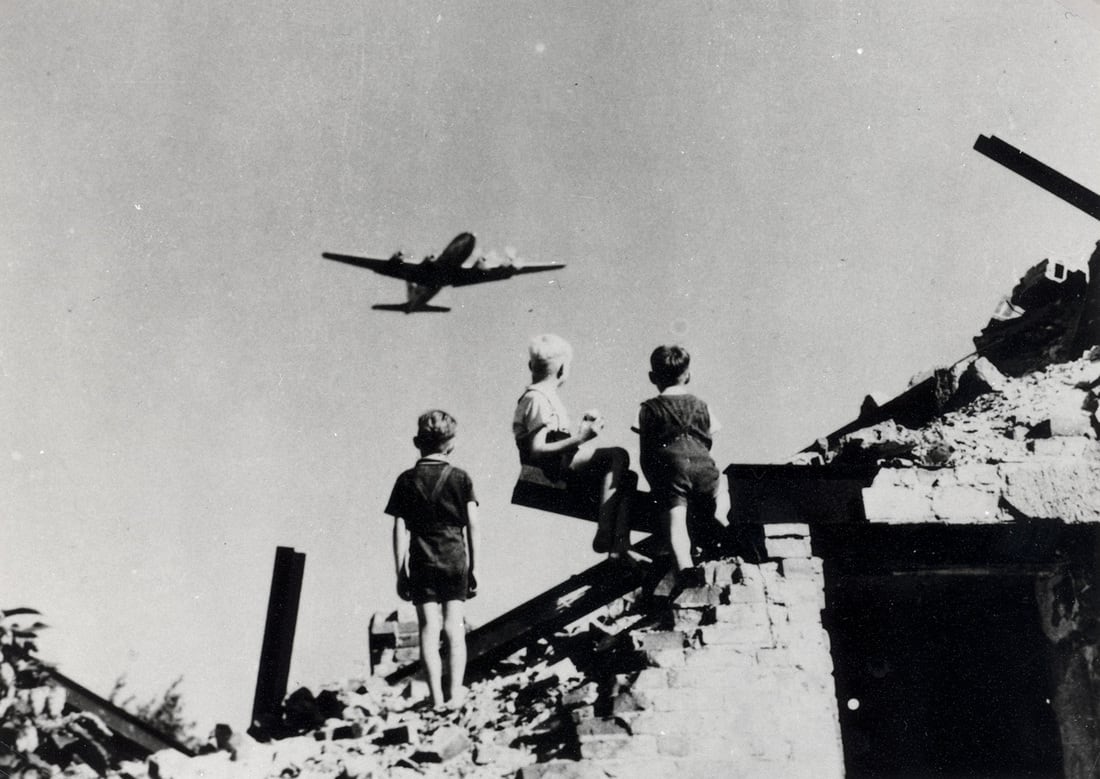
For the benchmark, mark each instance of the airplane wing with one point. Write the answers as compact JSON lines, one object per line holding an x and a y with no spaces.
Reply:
{"x":475,"y":275}
{"x":409,"y":271}
{"x":404,"y":308}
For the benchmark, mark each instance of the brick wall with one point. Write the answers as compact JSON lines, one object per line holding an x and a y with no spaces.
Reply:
{"x":1061,"y":482}
{"x":737,"y":679}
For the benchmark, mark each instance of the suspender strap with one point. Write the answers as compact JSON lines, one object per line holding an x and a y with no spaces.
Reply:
{"x":440,"y":482}
{"x":430,"y":498}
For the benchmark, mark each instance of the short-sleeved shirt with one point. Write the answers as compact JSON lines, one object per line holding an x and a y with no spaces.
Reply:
{"x":541,"y":407}
{"x":437,"y":540}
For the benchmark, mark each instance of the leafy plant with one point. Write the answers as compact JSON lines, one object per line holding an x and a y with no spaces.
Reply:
{"x":38,"y":732}
{"x":163,"y":712}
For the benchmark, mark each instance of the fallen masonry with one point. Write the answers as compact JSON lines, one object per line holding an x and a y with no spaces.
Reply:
{"x":651,"y":683}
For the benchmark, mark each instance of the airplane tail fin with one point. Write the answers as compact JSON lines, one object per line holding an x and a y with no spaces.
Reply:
{"x":404,"y":308}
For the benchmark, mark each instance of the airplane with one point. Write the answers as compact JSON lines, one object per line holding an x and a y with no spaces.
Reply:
{"x":424,"y":280}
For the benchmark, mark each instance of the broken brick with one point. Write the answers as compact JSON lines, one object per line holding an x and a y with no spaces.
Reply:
{"x":601,"y":727}
{"x":788,"y":547}
{"x":445,"y":744}
{"x":582,"y":713}
{"x":699,"y":597}
{"x":405,"y":733}
{"x":656,"y":640}
{"x":580,"y":696}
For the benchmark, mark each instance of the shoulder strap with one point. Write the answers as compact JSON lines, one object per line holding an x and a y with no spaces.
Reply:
{"x":438,"y":487}
{"x":430,"y":495}
{"x":679,"y":425}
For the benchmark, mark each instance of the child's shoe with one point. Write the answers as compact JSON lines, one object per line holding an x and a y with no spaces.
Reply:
{"x":601,"y":544}
{"x":689,"y":578}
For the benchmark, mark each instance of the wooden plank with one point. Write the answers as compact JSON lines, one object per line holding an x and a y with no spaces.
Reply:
{"x":534,"y":490}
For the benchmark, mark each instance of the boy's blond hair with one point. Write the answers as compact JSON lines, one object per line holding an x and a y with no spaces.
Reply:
{"x":548,"y":352}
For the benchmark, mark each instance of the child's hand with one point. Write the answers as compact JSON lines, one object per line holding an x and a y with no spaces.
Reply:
{"x":591,"y":425}
{"x":471,"y":586}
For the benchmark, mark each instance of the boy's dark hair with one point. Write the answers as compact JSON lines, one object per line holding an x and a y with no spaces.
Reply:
{"x":668,"y":363}
{"x":434,"y":431}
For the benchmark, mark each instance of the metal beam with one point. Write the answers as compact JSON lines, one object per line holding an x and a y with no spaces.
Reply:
{"x":1048,"y":178}
{"x":282,"y":619}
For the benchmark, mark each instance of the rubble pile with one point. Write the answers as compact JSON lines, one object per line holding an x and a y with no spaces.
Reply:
{"x":992,"y":419}
{"x":521,"y":712}
{"x":639,"y":687}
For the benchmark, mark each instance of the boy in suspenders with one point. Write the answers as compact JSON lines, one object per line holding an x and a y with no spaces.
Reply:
{"x":435,"y":545}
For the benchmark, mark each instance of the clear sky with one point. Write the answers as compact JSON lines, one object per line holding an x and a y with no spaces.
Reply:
{"x":788,"y":189}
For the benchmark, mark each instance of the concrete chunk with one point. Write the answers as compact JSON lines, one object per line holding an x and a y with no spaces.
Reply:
{"x":788,"y":547}
{"x":699,"y":597}
{"x":661,"y":639}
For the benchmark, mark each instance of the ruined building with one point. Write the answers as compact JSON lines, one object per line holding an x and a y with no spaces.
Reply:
{"x":916,"y":594}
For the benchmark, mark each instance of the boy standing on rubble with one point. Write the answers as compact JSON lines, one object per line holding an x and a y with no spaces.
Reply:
{"x":546,"y":440}
{"x":435,"y":547}
{"x":676,"y":432}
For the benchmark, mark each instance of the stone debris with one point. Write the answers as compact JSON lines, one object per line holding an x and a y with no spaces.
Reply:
{"x":574,"y":704}
{"x":1026,"y":447}
{"x":999,"y":425}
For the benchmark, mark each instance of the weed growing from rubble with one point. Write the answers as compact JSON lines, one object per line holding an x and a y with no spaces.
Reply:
{"x":165,"y":712}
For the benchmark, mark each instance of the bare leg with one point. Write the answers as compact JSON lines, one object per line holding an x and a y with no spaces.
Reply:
{"x":678,"y":539}
{"x":454,"y":628}
{"x":620,"y":547}
{"x":723,"y":502}
{"x":430,"y":623}
{"x":612,"y":463}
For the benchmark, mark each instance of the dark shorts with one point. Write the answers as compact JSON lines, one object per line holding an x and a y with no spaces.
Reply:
{"x":684,"y":478}
{"x":437,"y":563}
{"x":431,"y":583}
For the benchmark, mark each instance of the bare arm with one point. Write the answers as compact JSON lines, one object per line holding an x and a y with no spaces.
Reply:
{"x":400,"y":545}
{"x":588,"y":430}
{"x":473,"y":534}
